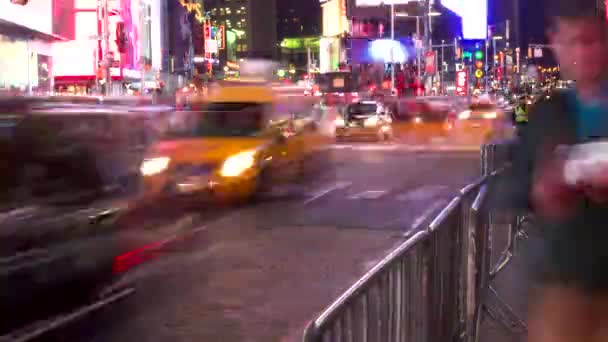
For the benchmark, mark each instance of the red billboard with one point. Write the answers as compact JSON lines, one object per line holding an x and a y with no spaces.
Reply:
{"x":429,"y":63}
{"x":462,"y":83}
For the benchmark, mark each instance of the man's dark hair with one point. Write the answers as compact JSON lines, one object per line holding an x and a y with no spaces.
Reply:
{"x":573,"y":9}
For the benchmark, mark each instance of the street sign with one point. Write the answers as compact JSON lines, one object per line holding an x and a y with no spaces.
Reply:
{"x":211,"y":46}
{"x":220,"y":36}
{"x":479,"y":73}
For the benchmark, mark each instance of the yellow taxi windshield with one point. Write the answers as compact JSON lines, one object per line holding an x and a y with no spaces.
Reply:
{"x":217,"y":120}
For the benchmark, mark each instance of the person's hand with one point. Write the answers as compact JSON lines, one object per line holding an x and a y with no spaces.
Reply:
{"x":596,"y":188}
{"x":552,"y":198}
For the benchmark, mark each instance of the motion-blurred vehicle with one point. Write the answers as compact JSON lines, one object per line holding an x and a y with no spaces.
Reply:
{"x":480,"y":123}
{"x":420,"y":120}
{"x":67,"y":171}
{"x":243,"y":142}
{"x":365,"y":119}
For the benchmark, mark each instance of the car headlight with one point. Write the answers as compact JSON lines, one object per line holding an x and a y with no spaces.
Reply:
{"x":491,"y":115}
{"x":235,"y":165}
{"x":417,"y":120}
{"x":154,"y":166}
{"x":464,"y":115}
{"x":371,"y":122}
{"x":339,"y":122}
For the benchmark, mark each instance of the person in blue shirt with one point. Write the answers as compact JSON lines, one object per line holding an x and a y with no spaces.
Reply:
{"x":570,"y":301}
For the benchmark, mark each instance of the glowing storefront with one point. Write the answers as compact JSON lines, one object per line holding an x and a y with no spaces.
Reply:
{"x":78,"y":67}
{"x":335,"y":25}
{"x":26,"y":36}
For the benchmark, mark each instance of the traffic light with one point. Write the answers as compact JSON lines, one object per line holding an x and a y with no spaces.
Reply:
{"x":478,"y":54}
{"x":478,"y":69}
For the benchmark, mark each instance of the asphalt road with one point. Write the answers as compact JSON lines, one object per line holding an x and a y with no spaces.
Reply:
{"x":261,"y":272}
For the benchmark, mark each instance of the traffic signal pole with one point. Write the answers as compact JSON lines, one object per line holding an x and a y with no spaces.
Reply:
{"x":106,"y":47}
{"x":485,"y":74}
{"x":392,"y":46}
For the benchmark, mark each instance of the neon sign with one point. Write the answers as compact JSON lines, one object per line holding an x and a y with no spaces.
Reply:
{"x":195,"y":7}
{"x":474,"y":14}
{"x":462,"y":83}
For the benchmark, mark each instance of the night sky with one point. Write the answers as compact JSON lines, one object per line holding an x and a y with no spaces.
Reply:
{"x":532,"y":17}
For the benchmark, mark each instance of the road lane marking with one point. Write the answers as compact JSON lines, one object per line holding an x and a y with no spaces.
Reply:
{"x":419,"y":220}
{"x":422,"y":193}
{"x":340,"y":146}
{"x":376,"y":147}
{"x":322,"y":192}
{"x":368,"y":195}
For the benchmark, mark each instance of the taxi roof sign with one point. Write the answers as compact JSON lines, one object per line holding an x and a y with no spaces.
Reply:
{"x":259,"y":69}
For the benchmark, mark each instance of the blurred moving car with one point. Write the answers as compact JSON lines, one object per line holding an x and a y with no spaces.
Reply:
{"x":243,"y":142}
{"x":365,"y":119}
{"x":423,"y":120}
{"x":481,"y":122}
{"x":68,"y":169}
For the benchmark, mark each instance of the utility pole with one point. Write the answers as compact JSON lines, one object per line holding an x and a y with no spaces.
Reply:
{"x":106,"y":47}
{"x":143,"y":11}
{"x":441,"y":70}
{"x":418,"y":49}
{"x":486,"y":68}
{"x":392,"y":46}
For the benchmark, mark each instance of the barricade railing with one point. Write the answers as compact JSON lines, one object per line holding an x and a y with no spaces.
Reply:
{"x":432,"y":287}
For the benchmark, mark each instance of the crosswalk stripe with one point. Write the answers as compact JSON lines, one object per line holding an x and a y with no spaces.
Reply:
{"x":326,"y":190}
{"x":377,"y":147}
{"x":408,"y":148}
{"x":368,"y":195}
{"x":422,"y":193}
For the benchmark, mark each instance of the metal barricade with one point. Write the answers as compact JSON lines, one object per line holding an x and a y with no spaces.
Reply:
{"x":427,"y":289}
{"x":430,"y":288}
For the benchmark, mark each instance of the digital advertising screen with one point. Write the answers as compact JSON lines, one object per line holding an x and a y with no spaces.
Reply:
{"x":365,"y":51}
{"x":474,"y":14}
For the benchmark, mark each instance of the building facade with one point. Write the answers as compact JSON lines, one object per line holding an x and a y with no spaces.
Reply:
{"x":251,"y":23}
{"x":27,"y":33}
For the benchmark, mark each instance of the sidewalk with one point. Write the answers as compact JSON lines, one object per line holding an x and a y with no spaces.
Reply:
{"x":512,"y":285}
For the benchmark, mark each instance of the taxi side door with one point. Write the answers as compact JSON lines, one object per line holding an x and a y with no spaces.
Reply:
{"x":281,"y":155}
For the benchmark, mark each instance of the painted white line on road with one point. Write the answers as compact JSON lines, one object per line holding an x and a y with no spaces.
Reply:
{"x":376,"y":147}
{"x":419,"y":220}
{"x":340,"y":146}
{"x":423,"y":193}
{"x":433,"y":147}
{"x":322,"y":192}
{"x":368,"y":195}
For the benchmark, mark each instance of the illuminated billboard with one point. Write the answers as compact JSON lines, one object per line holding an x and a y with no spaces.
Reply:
{"x":474,"y":14}
{"x":334,"y":18}
{"x":36,"y":15}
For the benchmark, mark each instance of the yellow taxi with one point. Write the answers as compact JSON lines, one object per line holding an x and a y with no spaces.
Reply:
{"x":480,"y":123}
{"x":245,"y":140}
